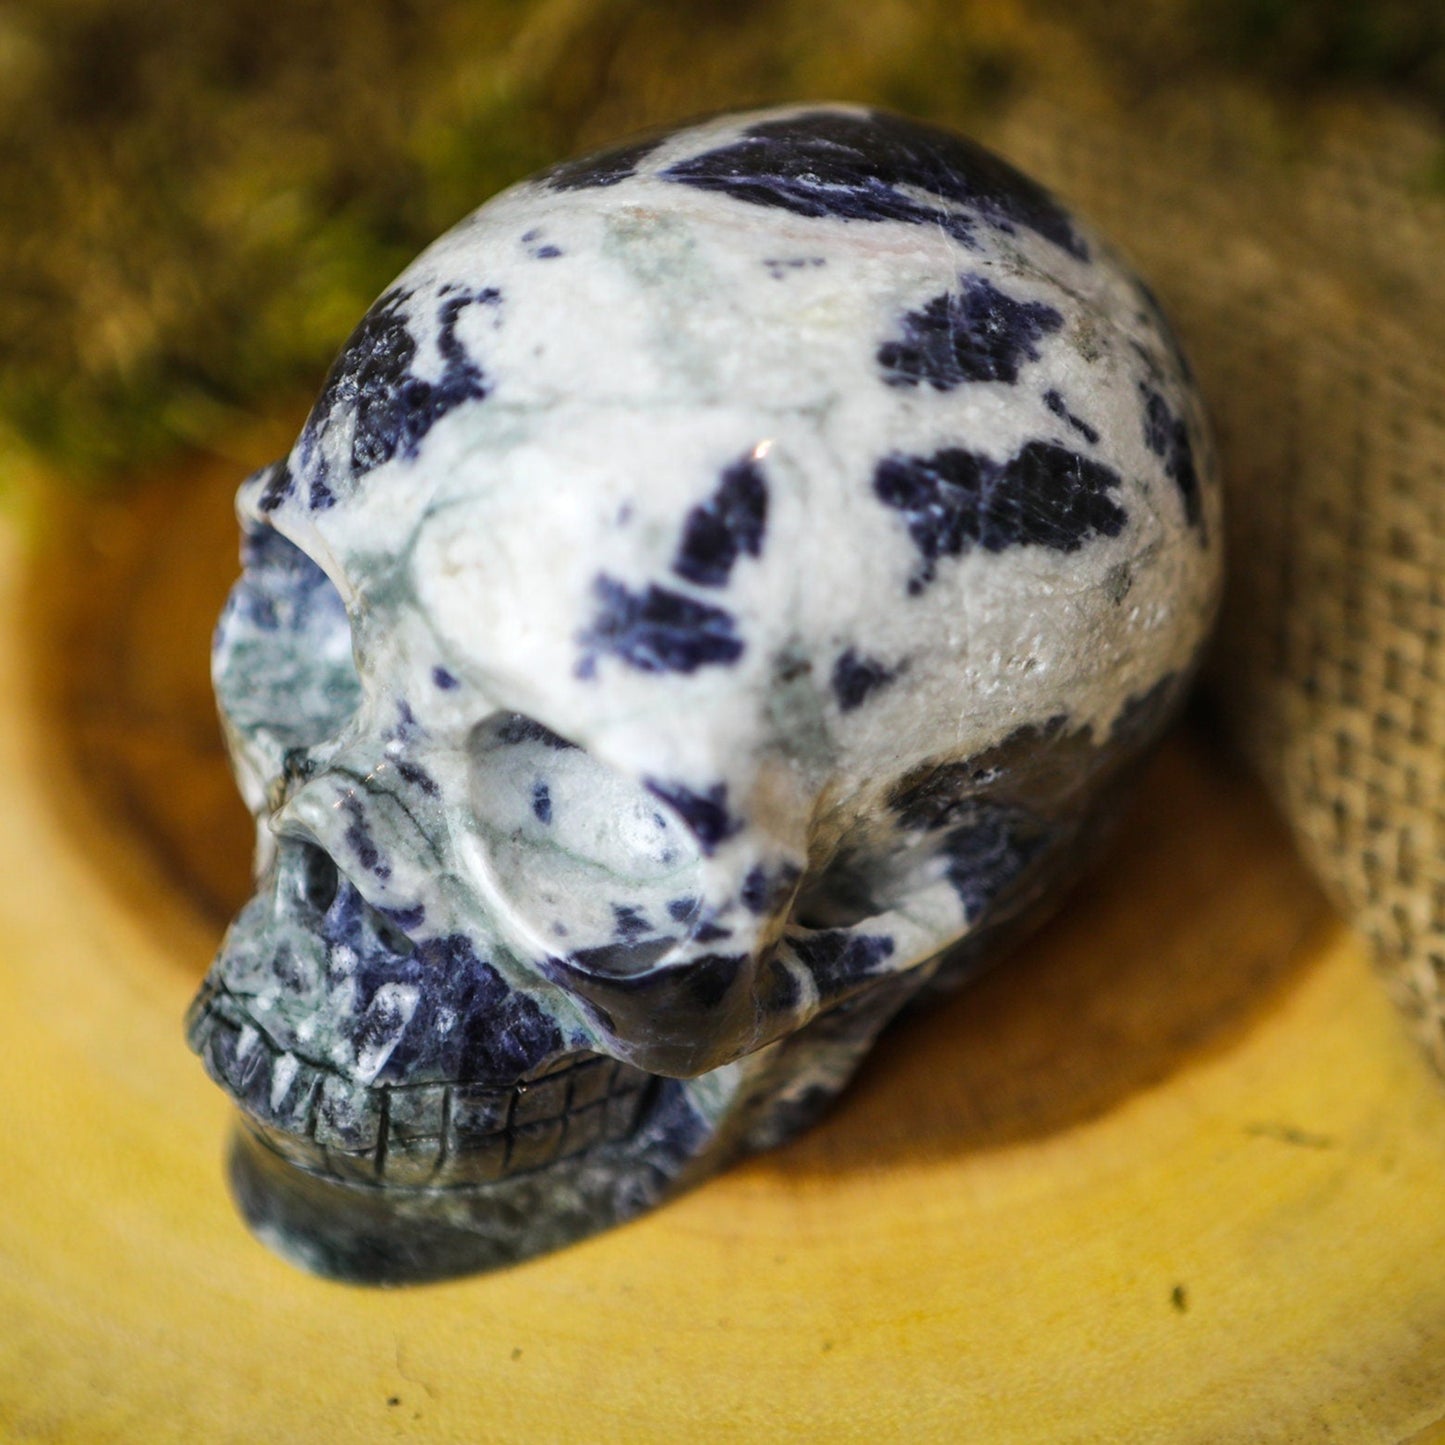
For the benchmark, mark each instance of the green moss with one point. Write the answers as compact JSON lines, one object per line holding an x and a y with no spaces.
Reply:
{"x":201,"y":200}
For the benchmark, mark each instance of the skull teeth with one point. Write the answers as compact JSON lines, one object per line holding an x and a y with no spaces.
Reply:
{"x":415,"y":1135}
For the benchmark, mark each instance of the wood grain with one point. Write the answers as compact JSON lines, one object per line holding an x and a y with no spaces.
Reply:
{"x":1174,"y":1173}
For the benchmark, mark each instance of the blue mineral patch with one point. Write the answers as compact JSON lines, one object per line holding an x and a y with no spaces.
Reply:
{"x":877,"y":167}
{"x":730,"y":524}
{"x":444,"y":680}
{"x":279,"y":485}
{"x":467,"y":1024}
{"x":1166,"y":435}
{"x":778,"y":269}
{"x":319,"y":496}
{"x":987,"y":855}
{"x":682,"y":909}
{"x":541,"y":802}
{"x":629,"y":921}
{"x":856,"y":678}
{"x":372,"y":380}
{"x":604,"y":168}
{"x":764,"y":891}
{"x":954,"y":500}
{"x":516,"y":728}
{"x":837,"y":957}
{"x":1055,"y":403}
{"x":657,"y":630}
{"x":537,"y":248}
{"x":281,"y":587}
{"x":418,"y":777}
{"x":407,"y":919}
{"x":706,"y":814}
{"x":977,"y":333}
{"x":359,"y":839}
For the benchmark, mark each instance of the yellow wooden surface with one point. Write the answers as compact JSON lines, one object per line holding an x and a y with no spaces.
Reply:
{"x":1175,"y":1174}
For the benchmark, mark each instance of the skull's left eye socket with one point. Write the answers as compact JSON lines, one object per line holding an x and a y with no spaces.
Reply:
{"x":588,"y":859}
{"x":282,"y":660}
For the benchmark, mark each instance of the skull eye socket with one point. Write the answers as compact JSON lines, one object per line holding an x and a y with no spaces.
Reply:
{"x":282,"y":659}
{"x":589,"y":860}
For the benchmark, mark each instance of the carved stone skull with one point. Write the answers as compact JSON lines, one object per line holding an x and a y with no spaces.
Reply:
{"x":710,"y":605}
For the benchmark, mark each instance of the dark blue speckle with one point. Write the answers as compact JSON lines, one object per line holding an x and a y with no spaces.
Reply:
{"x":706,"y":813}
{"x":1055,"y":403}
{"x":358,"y":837}
{"x":319,"y":495}
{"x":516,"y":728}
{"x":657,"y":631}
{"x":856,"y":678}
{"x":372,"y":382}
{"x":779,"y":269}
{"x":629,"y":922}
{"x":1167,"y":437}
{"x":541,"y":802}
{"x":280,"y":579}
{"x":839,"y":957}
{"x":728,"y":525}
{"x":977,"y":333}
{"x":406,"y":918}
{"x":495,"y":1034}
{"x":878,"y":167}
{"x":987,"y":854}
{"x":443,"y":679}
{"x":953,"y":500}
{"x":605,"y":168}
{"x":279,"y":485}
{"x":418,"y":777}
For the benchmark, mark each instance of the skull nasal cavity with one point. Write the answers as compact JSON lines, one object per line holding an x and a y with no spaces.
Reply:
{"x":318,"y":879}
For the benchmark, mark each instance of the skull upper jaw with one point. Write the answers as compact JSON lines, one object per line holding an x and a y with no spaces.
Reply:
{"x":387,"y":1234}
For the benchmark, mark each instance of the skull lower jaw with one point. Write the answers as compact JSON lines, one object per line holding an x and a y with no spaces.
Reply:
{"x":384,"y":1234}
{"x":458,"y":1177}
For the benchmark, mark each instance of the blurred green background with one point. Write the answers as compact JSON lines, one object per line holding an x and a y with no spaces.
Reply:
{"x":199,"y":200}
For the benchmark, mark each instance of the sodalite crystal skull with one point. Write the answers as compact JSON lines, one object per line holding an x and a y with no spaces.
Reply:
{"x":710,"y":605}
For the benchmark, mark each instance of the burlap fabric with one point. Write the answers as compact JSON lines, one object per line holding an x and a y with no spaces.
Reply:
{"x":1304,"y":260}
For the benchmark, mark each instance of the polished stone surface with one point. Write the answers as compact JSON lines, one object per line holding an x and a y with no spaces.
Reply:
{"x":714,"y":599}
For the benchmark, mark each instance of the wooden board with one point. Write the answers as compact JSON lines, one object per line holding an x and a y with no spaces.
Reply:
{"x":1174,"y":1174}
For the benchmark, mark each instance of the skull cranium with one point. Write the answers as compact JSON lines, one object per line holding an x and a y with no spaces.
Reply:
{"x":708,"y":606}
